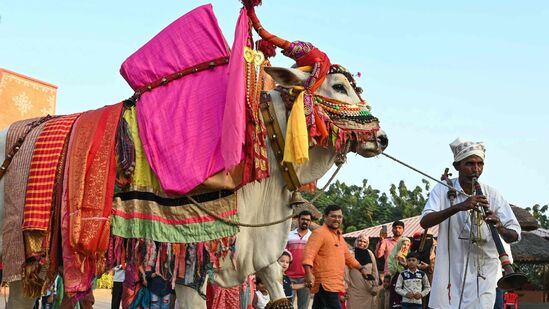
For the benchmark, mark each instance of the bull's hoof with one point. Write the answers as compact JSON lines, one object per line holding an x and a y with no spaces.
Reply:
{"x":282,"y":303}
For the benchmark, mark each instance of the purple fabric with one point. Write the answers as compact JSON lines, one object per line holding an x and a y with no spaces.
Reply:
{"x":181,"y":123}
{"x":235,"y":110}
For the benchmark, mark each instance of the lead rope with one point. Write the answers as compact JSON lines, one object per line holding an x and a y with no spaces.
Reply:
{"x":238,"y":223}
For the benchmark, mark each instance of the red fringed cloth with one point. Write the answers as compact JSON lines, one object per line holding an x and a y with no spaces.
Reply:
{"x":41,"y":181}
{"x":90,"y":179}
{"x":90,"y":171}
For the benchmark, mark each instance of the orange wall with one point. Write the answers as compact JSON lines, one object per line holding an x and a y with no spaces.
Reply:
{"x":22,"y":97}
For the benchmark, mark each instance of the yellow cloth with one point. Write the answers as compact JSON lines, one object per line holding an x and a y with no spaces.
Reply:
{"x":143,"y":176}
{"x":296,"y":148}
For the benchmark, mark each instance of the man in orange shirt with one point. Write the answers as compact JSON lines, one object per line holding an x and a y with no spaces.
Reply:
{"x":324,"y":260}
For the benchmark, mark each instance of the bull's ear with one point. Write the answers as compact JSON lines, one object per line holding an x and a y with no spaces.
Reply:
{"x":287,"y":77}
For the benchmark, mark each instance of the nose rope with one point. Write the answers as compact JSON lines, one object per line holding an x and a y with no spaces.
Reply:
{"x":424,"y":174}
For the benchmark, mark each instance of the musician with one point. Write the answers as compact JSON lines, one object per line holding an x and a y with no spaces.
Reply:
{"x":465,"y":241}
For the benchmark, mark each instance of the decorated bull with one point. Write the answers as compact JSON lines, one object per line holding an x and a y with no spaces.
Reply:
{"x":193,"y":184}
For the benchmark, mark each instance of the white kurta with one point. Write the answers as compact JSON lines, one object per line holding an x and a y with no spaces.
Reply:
{"x":452,"y":248}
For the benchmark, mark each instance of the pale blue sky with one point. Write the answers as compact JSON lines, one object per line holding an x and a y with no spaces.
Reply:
{"x":432,"y":71}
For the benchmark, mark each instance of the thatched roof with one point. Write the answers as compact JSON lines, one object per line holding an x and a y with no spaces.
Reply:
{"x":307,"y":206}
{"x":531,"y":249}
{"x":526,"y":220}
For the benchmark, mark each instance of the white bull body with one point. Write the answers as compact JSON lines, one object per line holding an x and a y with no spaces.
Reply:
{"x":258,"y":248}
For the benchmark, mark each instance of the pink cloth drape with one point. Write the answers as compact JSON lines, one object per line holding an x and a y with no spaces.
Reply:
{"x":181,"y":123}
{"x":234,"y":120}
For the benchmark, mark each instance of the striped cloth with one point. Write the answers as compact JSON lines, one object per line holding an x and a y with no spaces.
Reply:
{"x":15,"y":184}
{"x":45,"y":160}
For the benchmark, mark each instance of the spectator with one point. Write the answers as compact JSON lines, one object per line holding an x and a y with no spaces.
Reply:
{"x":297,"y":239}
{"x":285,"y":260}
{"x":160,"y":289}
{"x":412,"y":284}
{"x":426,"y":258}
{"x":385,"y":245}
{"x":396,"y":264}
{"x":361,"y":292}
{"x":118,"y":280}
{"x":261,"y":297}
{"x":324,"y":260}
{"x":384,"y":294}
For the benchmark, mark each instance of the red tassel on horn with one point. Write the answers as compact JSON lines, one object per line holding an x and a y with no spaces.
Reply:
{"x":266,"y":47}
{"x":251,"y":3}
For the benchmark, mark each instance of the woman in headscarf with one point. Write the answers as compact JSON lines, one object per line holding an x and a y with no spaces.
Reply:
{"x":361,"y":292}
{"x":396,"y":264}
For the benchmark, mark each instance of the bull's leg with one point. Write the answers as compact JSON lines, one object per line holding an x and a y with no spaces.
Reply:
{"x":17,"y":298}
{"x":188,"y":298}
{"x":272,"y":278}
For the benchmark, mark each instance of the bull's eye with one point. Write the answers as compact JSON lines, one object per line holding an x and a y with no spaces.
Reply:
{"x":340,"y":88}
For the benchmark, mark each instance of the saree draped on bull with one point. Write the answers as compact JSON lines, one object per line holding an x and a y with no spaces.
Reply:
{"x":46,"y":160}
{"x":15,"y":184}
{"x":181,"y":123}
{"x":90,"y":172}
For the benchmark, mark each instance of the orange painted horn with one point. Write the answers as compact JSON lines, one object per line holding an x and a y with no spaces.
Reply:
{"x":264,"y":34}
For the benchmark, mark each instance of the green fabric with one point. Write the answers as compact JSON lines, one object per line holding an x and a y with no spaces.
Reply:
{"x":170,"y":233}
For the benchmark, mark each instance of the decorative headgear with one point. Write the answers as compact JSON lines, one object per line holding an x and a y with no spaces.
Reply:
{"x":463,"y":149}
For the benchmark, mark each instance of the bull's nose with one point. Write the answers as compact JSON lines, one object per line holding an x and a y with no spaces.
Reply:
{"x":383,"y":140}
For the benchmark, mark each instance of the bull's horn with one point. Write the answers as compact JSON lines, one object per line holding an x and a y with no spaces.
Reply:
{"x":264,"y":34}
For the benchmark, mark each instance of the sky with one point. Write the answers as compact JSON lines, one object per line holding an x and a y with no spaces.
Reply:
{"x":431,"y":70}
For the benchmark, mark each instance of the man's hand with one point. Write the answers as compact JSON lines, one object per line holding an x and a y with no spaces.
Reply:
{"x":409,"y":295}
{"x":423,"y":265}
{"x":417,"y":295}
{"x":492,"y":218}
{"x":364,"y":273}
{"x":309,"y":279}
{"x":473,"y":202}
{"x":382,"y":234}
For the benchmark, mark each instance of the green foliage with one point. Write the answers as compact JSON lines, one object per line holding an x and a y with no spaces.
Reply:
{"x":364,"y":206}
{"x":105,"y":282}
{"x":534,"y":273}
{"x":541,"y":214}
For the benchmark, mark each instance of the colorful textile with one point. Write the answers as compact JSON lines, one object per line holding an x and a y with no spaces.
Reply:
{"x":145,"y":211}
{"x":15,"y":184}
{"x":77,"y":272}
{"x":296,"y":149}
{"x":3,"y":150}
{"x":90,"y":178}
{"x":139,"y":214}
{"x":43,"y":169}
{"x":181,"y":123}
{"x":235,"y":109}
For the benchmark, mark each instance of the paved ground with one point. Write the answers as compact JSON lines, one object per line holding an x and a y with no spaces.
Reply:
{"x":103,"y":300}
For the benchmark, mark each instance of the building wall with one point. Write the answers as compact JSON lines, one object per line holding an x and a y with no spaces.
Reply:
{"x":23,"y":97}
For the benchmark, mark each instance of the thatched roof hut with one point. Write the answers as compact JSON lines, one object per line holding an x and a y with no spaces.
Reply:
{"x":526,"y":220}
{"x":310,"y":207}
{"x":531,"y":249}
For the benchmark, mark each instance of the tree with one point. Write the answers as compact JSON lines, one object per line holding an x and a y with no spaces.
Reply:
{"x":540,"y":213}
{"x":364,"y":206}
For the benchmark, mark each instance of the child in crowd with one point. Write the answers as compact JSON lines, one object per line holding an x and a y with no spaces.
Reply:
{"x":261,"y":297}
{"x":384,"y":294}
{"x":412,"y":284}
{"x":284,"y":260}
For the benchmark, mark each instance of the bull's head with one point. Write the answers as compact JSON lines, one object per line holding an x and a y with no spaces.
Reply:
{"x":339,"y":106}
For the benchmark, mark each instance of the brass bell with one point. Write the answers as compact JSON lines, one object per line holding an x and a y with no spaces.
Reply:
{"x":297,"y":199}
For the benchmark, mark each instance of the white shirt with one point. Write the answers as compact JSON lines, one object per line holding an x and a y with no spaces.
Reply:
{"x":455,"y":245}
